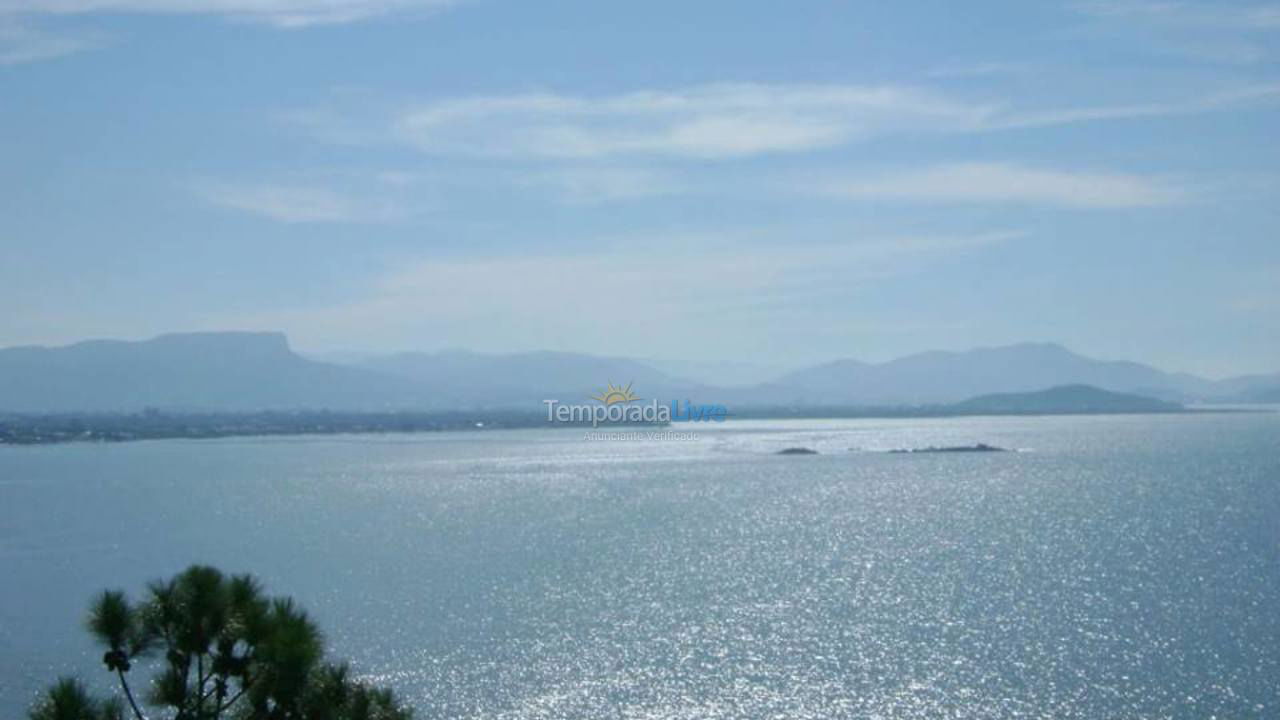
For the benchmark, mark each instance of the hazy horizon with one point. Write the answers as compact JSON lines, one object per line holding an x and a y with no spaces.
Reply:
{"x":727,"y":181}
{"x":727,"y":372}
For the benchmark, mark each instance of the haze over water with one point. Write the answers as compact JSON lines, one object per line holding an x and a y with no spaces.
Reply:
{"x":1118,"y":567}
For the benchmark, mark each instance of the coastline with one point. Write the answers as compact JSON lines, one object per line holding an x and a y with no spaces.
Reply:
{"x":19,"y":430}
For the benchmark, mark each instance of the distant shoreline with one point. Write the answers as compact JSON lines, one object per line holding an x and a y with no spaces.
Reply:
{"x":62,"y":428}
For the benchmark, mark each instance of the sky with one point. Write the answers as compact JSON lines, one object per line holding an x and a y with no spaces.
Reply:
{"x":745,"y":181}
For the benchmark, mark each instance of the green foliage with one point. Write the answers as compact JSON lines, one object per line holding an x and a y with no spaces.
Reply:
{"x":220,"y":647}
{"x":68,"y":700}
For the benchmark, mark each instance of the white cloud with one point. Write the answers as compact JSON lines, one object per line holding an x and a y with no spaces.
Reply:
{"x":293,"y":203}
{"x":1237,"y":97}
{"x":1213,"y":32}
{"x":995,"y":182}
{"x":709,"y":121}
{"x":1192,"y":14}
{"x":280,"y":13}
{"x":22,"y":42}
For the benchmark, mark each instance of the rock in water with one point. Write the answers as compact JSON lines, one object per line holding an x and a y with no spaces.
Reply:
{"x":980,"y":447}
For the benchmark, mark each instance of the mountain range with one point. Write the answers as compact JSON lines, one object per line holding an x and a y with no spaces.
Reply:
{"x":937,"y":376}
{"x":240,"y":371}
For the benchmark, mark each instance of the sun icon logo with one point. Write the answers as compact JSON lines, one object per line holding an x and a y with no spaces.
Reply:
{"x":614,"y":395}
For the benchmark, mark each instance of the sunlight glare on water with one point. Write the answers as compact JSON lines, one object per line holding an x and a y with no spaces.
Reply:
{"x":1119,"y":567}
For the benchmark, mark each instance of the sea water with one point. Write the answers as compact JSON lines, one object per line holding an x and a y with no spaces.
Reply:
{"x":1113,"y":567}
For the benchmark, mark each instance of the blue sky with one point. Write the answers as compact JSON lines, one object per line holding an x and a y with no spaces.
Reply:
{"x":773,"y":182}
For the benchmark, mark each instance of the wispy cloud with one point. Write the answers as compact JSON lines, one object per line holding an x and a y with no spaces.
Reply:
{"x":701,"y":122}
{"x":25,"y":39}
{"x":1191,"y":14}
{"x":1238,"y":97}
{"x":24,"y":42}
{"x":995,"y":182}
{"x":712,"y":121}
{"x":308,"y":203}
{"x":280,"y":13}
{"x":1213,"y":32}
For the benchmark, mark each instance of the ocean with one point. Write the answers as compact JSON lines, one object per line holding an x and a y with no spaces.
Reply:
{"x":1112,"y":567}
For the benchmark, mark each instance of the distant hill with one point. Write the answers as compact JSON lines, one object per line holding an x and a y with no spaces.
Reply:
{"x":944,"y":377}
{"x":720,"y":373}
{"x":1250,"y":389}
{"x":1064,"y":399}
{"x":1261,"y":395}
{"x":207,"y":371}
{"x":239,"y":371}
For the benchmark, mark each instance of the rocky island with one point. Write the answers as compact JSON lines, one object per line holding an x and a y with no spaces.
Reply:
{"x":980,"y":447}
